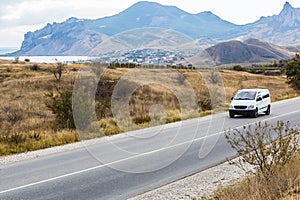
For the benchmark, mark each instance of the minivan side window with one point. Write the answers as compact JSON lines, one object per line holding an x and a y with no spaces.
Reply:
{"x":266,"y":95}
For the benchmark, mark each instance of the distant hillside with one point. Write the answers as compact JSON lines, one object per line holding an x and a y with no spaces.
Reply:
{"x":150,"y":14}
{"x":173,"y":27}
{"x":155,"y":38}
{"x":250,"y":51}
{"x":294,"y":49}
{"x":69,"y":38}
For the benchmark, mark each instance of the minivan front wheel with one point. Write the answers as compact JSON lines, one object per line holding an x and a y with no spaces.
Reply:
{"x":255,"y":113}
{"x":268,"y":111}
{"x":231,"y":114}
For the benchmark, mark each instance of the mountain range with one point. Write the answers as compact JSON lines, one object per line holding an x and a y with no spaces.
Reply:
{"x":152,"y":25}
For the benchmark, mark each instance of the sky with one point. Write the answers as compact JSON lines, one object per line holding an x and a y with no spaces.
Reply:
{"x":20,"y":16}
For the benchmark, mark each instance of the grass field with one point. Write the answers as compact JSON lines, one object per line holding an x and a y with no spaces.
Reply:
{"x":27,"y":124}
{"x":284,"y":185}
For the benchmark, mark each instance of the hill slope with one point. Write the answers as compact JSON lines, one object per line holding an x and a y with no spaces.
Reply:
{"x":69,"y":38}
{"x":251,"y":50}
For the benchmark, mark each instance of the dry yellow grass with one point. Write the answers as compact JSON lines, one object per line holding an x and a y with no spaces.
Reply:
{"x":23,"y":96}
{"x":277,"y":85}
{"x":23,"y":111}
{"x":284,"y":185}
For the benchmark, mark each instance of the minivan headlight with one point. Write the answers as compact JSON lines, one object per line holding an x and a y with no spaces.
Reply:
{"x":231,"y":106}
{"x":251,"y":107}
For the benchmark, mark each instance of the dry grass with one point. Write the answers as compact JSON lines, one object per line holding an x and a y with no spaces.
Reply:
{"x":147,"y":96}
{"x":277,"y":85}
{"x":23,"y":110}
{"x":284,"y":185}
{"x":34,"y":140}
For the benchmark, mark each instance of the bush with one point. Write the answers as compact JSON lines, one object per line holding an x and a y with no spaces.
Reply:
{"x":61,"y":106}
{"x":238,"y":68}
{"x":34,"y":67}
{"x":292,"y":70}
{"x":264,"y":146}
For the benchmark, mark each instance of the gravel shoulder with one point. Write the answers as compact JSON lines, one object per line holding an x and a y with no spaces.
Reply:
{"x":202,"y":184}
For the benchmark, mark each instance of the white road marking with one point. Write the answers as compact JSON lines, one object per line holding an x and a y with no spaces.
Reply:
{"x":132,"y":157}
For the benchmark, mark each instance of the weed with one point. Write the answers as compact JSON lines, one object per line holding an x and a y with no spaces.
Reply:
{"x":264,"y":146}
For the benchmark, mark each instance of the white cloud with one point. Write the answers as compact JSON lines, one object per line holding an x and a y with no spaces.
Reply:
{"x":13,"y":36}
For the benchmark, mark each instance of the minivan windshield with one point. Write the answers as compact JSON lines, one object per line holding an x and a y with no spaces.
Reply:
{"x":245,"y":95}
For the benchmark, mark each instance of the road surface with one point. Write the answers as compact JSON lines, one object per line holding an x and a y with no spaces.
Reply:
{"x":132,"y":163}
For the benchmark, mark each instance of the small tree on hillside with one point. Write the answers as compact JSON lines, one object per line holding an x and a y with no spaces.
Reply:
{"x":292,"y":69}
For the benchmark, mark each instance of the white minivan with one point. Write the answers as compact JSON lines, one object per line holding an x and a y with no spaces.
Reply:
{"x":250,"y":102}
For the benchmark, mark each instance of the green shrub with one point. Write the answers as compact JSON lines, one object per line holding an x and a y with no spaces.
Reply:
{"x":292,"y":70}
{"x":60,"y":103}
{"x":238,"y":68}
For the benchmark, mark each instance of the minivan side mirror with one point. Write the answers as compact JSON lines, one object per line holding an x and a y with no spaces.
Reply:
{"x":259,"y":99}
{"x":232,"y":98}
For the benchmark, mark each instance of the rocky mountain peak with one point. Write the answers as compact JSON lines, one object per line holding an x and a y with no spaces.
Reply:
{"x":287,"y":9}
{"x":287,"y":6}
{"x":289,"y":16}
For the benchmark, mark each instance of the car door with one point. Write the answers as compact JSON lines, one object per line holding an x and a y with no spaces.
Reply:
{"x":265,"y":97}
{"x":259,"y":102}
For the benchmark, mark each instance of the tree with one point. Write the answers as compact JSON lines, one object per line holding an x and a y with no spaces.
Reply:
{"x":292,"y":69}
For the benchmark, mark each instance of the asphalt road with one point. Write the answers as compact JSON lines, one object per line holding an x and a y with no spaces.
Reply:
{"x":132,"y":163}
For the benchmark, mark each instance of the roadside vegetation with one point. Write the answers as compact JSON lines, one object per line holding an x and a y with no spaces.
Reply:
{"x":292,"y":69}
{"x":36,"y":100}
{"x":273,"y":151}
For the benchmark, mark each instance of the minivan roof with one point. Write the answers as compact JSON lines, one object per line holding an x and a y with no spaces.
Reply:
{"x":255,"y":89}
